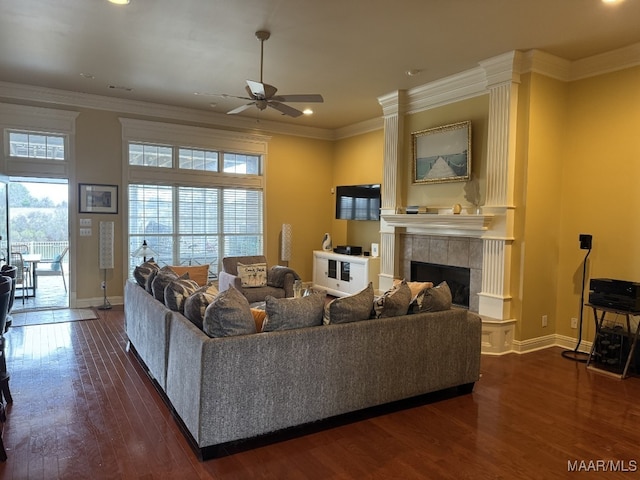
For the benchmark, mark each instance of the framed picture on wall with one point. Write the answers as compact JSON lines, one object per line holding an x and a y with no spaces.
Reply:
{"x":95,"y":198}
{"x":442,"y":154}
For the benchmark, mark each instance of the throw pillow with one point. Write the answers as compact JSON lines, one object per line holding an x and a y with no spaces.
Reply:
{"x":258,"y":316}
{"x":436,"y":299}
{"x":228,"y":315}
{"x":290,"y":313}
{"x":415,"y":287}
{"x":253,"y":275}
{"x":352,"y":308}
{"x":394,"y":302}
{"x":196,"y":305}
{"x":177,"y":291}
{"x":199,"y":273}
{"x":143,"y":272}
{"x":162,"y":278}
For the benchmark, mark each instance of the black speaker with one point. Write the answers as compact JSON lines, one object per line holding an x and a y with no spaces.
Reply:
{"x":585,"y":241}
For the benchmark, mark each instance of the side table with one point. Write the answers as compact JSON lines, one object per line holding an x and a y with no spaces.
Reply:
{"x":603,"y":340}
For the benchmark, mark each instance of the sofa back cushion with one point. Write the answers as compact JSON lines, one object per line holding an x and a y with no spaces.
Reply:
{"x":145,"y":273}
{"x":230,"y":264}
{"x":436,"y":299}
{"x":177,"y":291}
{"x":290,"y":313}
{"x":163,"y":277}
{"x":351,"y":308}
{"x":228,"y":315}
{"x":394,"y":302}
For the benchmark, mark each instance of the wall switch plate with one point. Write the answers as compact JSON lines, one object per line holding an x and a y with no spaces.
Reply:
{"x":85,"y":222}
{"x":544,"y":320}
{"x":85,"y":232}
{"x":574,"y":323}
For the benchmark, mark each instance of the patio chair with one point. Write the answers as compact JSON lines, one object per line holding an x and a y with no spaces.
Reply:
{"x":53,"y":267}
{"x":23,"y":274}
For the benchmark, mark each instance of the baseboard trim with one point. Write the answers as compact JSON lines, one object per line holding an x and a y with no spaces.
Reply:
{"x":547,"y":341}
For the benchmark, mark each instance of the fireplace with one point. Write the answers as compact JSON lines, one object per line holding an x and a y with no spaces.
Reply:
{"x":458,"y":279}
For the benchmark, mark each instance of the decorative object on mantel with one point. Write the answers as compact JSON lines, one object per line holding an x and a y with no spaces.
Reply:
{"x":413,"y":209}
{"x":442,"y":154}
{"x":472,"y":192}
{"x":457,"y":208}
{"x":287,"y":239}
{"x":326,"y":243}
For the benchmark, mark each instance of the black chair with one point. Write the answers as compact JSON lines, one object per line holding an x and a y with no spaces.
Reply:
{"x":6,"y":286}
{"x":10,"y":271}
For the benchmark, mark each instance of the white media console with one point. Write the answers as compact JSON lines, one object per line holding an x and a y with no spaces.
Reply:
{"x":342,"y":275}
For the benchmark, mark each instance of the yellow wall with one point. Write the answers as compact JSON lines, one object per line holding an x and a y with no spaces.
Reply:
{"x":299,"y":179}
{"x":539,"y":186}
{"x":299,"y":176}
{"x":447,"y":194}
{"x":357,"y":160}
{"x":601,"y":160}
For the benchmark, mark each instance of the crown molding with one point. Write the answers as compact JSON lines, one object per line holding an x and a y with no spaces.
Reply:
{"x":360,"y":128}
{"x":546,"y":64}
{"x":608,"y":62}
{"x":31,"y":93}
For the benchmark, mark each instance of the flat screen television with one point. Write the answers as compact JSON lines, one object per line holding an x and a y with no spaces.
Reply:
{"x":358,"y":202}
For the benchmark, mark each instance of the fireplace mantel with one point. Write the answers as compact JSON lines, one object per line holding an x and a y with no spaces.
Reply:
{"x":468,"y":225}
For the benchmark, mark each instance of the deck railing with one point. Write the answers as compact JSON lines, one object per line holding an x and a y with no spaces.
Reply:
{"x":47,"y":250}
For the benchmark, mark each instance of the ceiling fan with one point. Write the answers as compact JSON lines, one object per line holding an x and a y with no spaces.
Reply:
{"x":263,"y":95}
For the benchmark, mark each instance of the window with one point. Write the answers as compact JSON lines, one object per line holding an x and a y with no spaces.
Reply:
{"x":195,"y":194}
{"x":36,"y":145}
{"x":195,"y":225}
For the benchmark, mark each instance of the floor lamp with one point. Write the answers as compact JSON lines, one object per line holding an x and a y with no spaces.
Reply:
{"x":105,"y":258}
{"x":575,"y":354}
{"x":285,"y":248}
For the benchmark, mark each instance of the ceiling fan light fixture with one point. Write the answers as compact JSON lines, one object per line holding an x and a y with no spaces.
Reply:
{"x":307,"y":111}
{"x":119,"y":2}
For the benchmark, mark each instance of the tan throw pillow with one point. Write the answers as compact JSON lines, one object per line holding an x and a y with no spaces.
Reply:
{"x":258,"y":316}
{"x":394,"y":302}
{"x":198,"y":273}
{"x":415,"y":287}
{"x":253,"y":275}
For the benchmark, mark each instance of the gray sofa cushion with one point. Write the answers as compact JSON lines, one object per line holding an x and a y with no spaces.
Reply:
{"x":177,"y":291}
{"x":351,"y":308}
{"x":289,"y":313}
{"x":393,"y":302}
{"x":196,"y":305}
{"x":145,"y":273}
{"x":228,"y":315}
{"x":163,"y":277}
{"x":436,"y":299}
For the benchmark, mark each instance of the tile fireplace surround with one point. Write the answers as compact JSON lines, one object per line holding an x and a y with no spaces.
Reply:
{"x":444,"y":250}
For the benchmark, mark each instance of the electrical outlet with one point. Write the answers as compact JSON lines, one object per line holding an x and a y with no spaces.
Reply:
{"x":574,"y":323}
{"x":544,"y":320}
{"x":103,"y":285}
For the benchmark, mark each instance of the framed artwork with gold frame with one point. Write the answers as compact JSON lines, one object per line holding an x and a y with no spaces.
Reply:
{"x":442,"y":154}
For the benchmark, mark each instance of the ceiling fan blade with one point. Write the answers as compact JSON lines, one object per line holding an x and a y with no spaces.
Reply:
{"x":256,"y":88}
{"x":241,"y":108}
{"x":285,"y":109}
{"x":260,"y":90}
{"x":224,"y":95}
{"x":304,"y":98}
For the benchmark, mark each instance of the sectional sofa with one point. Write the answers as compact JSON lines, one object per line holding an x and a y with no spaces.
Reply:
{"x":232,"y":390}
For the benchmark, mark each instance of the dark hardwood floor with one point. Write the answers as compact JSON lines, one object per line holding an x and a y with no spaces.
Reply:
{"x":83,"y":408}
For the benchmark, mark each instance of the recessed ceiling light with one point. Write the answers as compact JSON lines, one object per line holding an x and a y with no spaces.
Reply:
{"x":612,"y":1}
{"x":120,"y":2}
{"x":90,"y":76}
{"x":307,"y":111}
{"x":413,"y":72}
